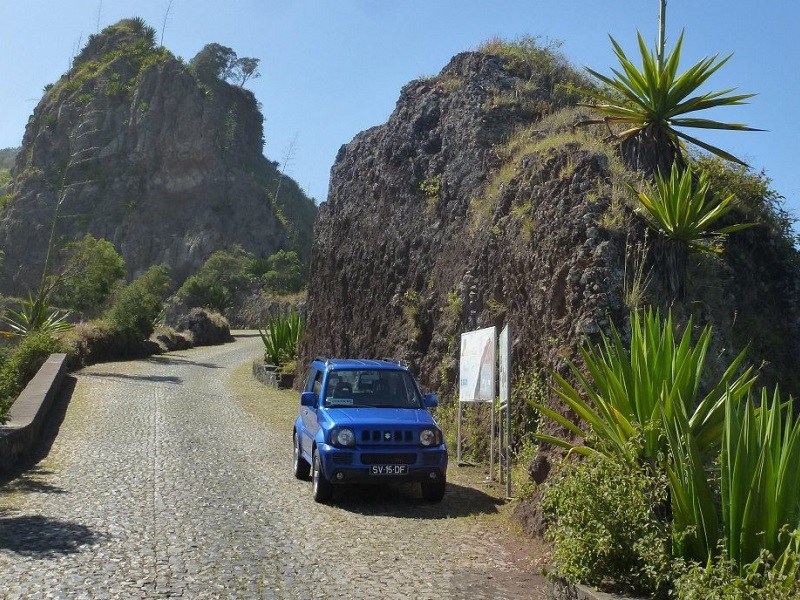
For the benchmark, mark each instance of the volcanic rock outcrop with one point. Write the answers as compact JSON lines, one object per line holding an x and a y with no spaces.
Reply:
{"x":479,"y":203}
{"x":133,"y":146}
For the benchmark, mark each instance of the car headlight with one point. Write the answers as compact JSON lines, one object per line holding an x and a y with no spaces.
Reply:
{"x":343,"y":436}
{"x":429,"y":437}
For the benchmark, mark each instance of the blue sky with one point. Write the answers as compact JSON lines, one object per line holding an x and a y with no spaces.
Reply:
{"x":333,"y":68}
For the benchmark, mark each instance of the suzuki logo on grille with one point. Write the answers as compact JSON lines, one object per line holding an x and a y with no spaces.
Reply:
{"x":387,"y":435}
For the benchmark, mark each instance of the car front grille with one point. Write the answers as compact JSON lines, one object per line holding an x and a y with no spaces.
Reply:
{"x":387,"y":436}
{"x":388,"y":459}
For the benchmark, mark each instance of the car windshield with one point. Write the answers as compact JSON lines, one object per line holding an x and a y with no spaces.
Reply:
{"x":371,"y":388}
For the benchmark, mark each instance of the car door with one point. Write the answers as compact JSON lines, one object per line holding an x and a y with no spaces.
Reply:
{"x":308,"y":414}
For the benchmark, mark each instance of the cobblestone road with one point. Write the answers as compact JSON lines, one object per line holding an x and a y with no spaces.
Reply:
{"x":170,"y":477}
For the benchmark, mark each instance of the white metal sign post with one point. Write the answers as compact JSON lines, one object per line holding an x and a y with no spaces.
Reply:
{"x":505,"y":406}
{"x":477,"y":377}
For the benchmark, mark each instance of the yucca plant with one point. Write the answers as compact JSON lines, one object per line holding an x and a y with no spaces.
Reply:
{"x":35,"y":314}
{"x":631,"y":392}
{"x":281,"y":338}
{"x":760,"y":475}
{"x":651,"y":102}
{"x":685,"y":211}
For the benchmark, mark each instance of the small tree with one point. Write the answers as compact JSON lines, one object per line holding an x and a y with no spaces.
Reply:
{"x":90,"y":269}
{"x":217,"y":62}
{"x":219,"y":279}
{"x":284,"y":273}
{"x":138,"y":305}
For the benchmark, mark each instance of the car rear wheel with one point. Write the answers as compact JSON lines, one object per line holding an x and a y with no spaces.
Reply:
{"x":321,"y":487}
{"x":433,"y":489}
{"x":300,"y":466}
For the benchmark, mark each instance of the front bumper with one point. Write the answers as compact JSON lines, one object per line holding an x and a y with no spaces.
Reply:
{"x":353,"y":465}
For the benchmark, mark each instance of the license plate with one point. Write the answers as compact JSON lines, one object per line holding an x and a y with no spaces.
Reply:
{"x":388,"y":470}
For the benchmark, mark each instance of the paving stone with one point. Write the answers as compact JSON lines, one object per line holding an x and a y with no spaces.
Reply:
{"x":166,"y":480}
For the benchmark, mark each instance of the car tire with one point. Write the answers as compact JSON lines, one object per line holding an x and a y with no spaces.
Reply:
{"x":433,"y":490}
{"x":300,"y":465}
{"x":321,"y":488}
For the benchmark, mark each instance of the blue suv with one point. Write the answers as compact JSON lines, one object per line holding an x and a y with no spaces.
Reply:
{"x":366,"y":421}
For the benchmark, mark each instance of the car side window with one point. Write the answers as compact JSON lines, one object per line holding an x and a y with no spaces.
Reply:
{"x":318,"y":384}
{"x":309,"y":385}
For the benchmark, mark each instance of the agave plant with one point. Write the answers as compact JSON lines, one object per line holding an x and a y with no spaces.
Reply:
{"x":35,"y":314}
{"x":760,"y":475}
{"x":281,"y":338}
{"x":686,"y":212}
{"x":652,"y":101}
{"x":630,"y":393}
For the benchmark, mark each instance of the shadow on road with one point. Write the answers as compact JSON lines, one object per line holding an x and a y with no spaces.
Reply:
{"x":29,"y":483}
{"x":168,"y":360}
{"x":37,"y":536}
{"x":404,"y":501}
{"x":151,"y":378}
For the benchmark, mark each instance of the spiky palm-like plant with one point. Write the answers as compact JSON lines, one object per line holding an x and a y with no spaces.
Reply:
{"x":652,"y":103}
{"x":682,"y":208}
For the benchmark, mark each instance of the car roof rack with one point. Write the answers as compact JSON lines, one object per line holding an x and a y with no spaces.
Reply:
{"x":394,"y":361}
{"x":322,"y":358}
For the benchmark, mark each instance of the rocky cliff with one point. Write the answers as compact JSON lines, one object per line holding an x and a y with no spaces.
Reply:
{"x":133,"y":146}
{"x":478,"y":203}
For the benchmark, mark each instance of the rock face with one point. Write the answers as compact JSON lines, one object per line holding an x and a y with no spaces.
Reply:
{"x":130,"y":145}
{"x":477,"y":204}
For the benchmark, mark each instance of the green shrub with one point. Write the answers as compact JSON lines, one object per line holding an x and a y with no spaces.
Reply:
{"x":91,"y":269}
{"x":219,"y":279}
{"x":22,"y":363}
{"x":605,"y":529}
{"x":721,"y":580}
{"x":137,"y":306}
{"x":282,"y":273}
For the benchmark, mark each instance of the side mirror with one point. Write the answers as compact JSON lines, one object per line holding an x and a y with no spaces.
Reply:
{"x":430,"y":400}
{"x":308,"y":399}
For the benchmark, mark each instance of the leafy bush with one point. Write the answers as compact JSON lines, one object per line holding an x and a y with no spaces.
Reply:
{"x":282,"y":273}
{"x":219,"y":279}
{"x":137,"y":306}
{"x":605,"y":527}
{"x":721,"y":580}
{"x":22,"y":363}
{"x":91,"y":268}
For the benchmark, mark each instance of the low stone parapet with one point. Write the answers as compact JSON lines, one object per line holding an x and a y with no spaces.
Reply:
{"x":29,"y":412}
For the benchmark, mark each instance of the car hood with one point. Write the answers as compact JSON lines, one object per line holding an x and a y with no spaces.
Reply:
{"x":380,"y":416}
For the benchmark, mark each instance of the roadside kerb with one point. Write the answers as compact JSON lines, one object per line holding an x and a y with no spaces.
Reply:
{"x":29,"y":411}
{"x":266,"y":374}
{"x":565,"y":591}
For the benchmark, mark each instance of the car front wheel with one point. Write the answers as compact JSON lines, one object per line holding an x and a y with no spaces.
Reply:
{"x":433,"y":490}
{"x":321,"y":487}
{"x":299,"y":464}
